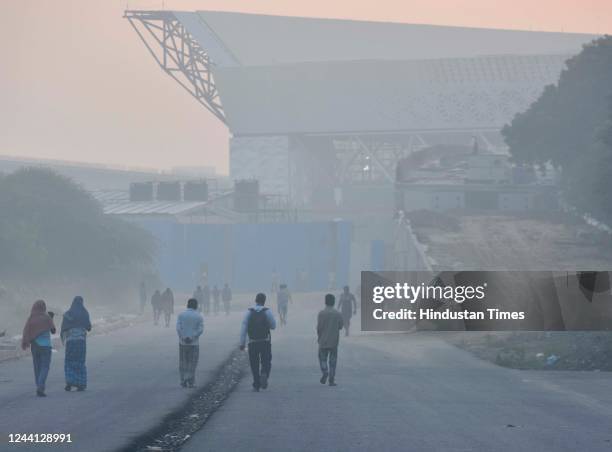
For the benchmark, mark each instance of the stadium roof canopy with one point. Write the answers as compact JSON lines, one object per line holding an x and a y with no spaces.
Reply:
{"x":265,"y":75}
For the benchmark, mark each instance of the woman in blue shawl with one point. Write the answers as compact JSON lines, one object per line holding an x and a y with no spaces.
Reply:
{"x":75,"y":326}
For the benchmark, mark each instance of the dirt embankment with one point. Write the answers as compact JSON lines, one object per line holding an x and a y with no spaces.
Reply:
{"x":530,"y":241}
{"x":565,"y":350}
{"x":527,"y":241}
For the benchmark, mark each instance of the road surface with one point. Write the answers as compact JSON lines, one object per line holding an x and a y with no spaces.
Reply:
{"x":407,"y":392}
{"x":133,"y":384}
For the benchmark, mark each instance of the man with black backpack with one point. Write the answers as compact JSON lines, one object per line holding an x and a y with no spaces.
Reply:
{"x":257,"y":323}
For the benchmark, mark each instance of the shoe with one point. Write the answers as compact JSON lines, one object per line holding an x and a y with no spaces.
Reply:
{"x":323,"y":379}
{"x":264,"y":381}
{"x":40,"y":393}
{"x":80,"y":388}
{"x":191,"y":384}
{"x":68,"y":388}
{"x":183,"y":384}
{"x":332,"y":382}
{"x":255,"y":389}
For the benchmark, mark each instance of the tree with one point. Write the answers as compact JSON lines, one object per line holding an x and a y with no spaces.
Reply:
{"x":564,"y":127}
{"x":53,"y":231}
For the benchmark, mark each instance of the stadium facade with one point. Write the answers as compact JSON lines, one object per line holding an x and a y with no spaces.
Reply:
{"x":317,"y":104}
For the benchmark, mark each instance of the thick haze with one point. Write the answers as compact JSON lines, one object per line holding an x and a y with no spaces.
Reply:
{"x":77,"y":84}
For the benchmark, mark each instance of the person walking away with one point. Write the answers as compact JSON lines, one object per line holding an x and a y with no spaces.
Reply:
{"x":167,"y":305}
{"x":189,"y":327}
{"x":156,"y":304}
{"x":75,"y":326}
{"x":226,"y":296}
{"x":331,"y":280}
{"x":215,"y":294}
{"x":37,"y":334}
{"x":257,"y":323}
{"x":206,"y":299}
{"x":283,"y":297}
{"x":275,"y":279}
{"x":329,"y":324}
{"x":143,"y":297}
{"x":198,"y":294}
{"x":348,"y":307}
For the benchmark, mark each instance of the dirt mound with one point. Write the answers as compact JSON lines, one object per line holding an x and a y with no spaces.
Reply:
{"x":430,"y":219}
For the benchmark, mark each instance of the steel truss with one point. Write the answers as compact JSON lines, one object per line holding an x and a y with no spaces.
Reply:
{"x":366,"y":160}
{"x":179,"y":55}
{"x":321,"y":162}
{"x":373,"y":157}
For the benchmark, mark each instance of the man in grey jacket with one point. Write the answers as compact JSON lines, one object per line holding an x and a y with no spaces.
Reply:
{"x":329,"y":324}
{"x":189,"y":327}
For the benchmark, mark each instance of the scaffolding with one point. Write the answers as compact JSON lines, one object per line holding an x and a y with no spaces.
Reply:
{"x":179,"y":55}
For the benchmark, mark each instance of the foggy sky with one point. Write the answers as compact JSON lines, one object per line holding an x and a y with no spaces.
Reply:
{"x":77,"y":84}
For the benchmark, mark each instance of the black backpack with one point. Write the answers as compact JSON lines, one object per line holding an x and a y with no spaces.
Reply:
{"x":258,"y":326}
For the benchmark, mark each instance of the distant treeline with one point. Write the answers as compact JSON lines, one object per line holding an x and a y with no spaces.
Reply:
{"x":53,"y":233}
{"x":570,"y":126}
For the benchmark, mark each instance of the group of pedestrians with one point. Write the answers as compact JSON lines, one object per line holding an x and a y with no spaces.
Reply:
{"x":204,"y":294}
{"x":256,"y":327}
{"x":162,"y":303}
{"x":255,"y":331}
{"x":37,"y":335}
{"x":259,"y":321}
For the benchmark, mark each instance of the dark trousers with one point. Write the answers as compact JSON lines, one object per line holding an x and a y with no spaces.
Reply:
{"x":260,"y":357}
{"x":331,"y":355}
{"x":188,"y":362}
{"x":41,"y":356}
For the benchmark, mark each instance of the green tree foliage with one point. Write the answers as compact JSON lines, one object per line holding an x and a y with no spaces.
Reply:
{"x":51,"y":230}
{"x":567,"y":125}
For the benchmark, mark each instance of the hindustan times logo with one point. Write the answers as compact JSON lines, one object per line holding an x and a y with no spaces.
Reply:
{"x":411,"y":293}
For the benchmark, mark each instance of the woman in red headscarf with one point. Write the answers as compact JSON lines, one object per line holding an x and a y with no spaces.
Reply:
{"x":37,"y":334}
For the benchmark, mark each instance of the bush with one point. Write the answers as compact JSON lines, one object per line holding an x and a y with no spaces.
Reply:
{"x":54,"y":232}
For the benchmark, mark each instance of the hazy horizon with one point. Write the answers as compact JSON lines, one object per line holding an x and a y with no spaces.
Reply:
{"x":78,"y":85}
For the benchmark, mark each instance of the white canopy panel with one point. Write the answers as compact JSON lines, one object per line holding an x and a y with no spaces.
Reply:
{"x":260,"y":40}
{"x":383,"y":96}
{"x":281,"y":75}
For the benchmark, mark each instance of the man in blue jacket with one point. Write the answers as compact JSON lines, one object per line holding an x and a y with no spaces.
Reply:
{"x":189,"y":327}
{"x":257,"y":323}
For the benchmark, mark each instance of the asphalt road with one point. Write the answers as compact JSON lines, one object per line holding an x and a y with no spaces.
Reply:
{"x":407,"y":392}
{"x":133,"y":384}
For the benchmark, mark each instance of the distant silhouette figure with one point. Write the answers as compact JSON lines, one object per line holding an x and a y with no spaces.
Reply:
{"x":226,"y":296}
{"x":216,"y":293}
{"x":167,"y":305}
{"x":283,"y":297}
{"x":347,"y":307}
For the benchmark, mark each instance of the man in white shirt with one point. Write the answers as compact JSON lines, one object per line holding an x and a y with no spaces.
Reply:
{"x":189,"y":327}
